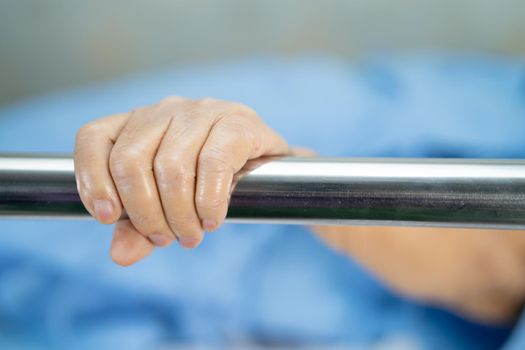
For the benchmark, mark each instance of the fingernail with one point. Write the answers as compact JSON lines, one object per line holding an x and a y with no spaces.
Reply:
{"x":103,"y":209}
{"x":188,"y":241}
{"x":209,"y":224}
{"x":159,"y":240}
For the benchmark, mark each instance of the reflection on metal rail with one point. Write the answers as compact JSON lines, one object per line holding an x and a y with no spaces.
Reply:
{"x":400,"y":192}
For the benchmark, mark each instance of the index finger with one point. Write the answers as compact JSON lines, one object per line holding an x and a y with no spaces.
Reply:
{"x":93,"y":146}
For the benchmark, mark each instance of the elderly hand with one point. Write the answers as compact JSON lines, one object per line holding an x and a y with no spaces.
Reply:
{"x":170,"y":165}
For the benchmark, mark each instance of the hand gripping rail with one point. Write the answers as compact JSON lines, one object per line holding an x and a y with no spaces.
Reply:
{"x":395,"y":192}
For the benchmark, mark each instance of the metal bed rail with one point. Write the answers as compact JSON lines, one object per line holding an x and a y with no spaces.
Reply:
{"x":395,"y":192}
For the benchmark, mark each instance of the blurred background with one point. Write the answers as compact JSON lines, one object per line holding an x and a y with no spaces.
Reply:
{"x":57,"y":44}
{"x":243,"y":286}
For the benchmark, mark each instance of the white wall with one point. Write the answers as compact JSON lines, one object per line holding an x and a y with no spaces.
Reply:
{"x":53,"y":44}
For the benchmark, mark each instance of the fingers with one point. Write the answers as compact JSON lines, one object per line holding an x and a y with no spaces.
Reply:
{"x":95,"y":185}
{"x":231,"y":143}
{"x":175,"y":170}
{"x":170,"y":166}
{"x":131,"y":166}
{"x":129,"y":245}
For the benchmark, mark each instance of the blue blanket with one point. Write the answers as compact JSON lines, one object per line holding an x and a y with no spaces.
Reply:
{"x":256,"y":285}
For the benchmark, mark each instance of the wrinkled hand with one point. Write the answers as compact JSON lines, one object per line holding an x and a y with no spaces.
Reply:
{"x":170,"y":165}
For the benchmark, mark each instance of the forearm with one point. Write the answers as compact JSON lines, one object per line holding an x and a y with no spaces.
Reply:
{"x":474,"y":272}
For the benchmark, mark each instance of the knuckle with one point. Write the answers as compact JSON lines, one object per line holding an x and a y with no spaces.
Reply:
{"x":239,"y":109}
{"x":173,"y":167}
{"x":171,"y":100}
{"x":183,"y":175}
{"x":123,"y":164}
{"x":207,"y":101}
{"x":138,"y":111}
{"x":88,"y":130}
{"x":163,"y":165}
{"x":190,"y":109}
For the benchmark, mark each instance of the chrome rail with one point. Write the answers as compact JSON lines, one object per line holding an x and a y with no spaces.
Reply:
{"x":393,"y":192}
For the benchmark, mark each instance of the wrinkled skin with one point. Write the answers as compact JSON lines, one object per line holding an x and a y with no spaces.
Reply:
{"x":171,"y":165}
